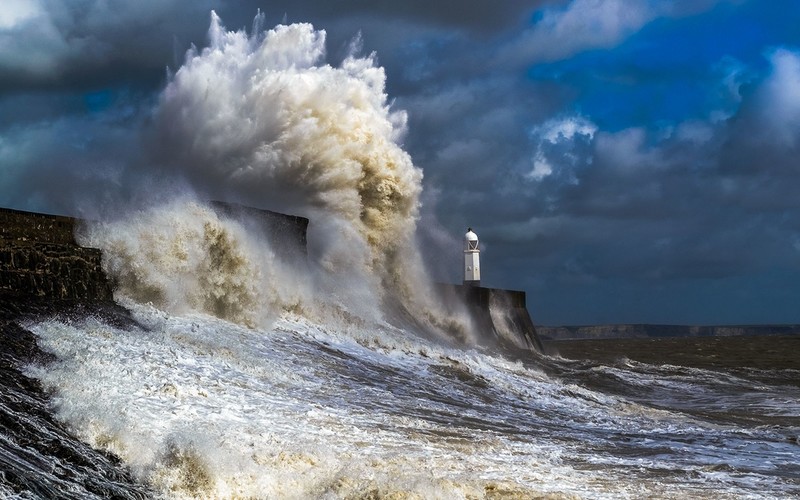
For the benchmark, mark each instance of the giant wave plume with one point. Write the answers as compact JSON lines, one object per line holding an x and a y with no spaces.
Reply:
{"x":262,"y":119}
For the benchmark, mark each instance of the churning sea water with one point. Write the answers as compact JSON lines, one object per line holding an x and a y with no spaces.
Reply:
{"x":198,"y":407}
{"x":246,"y":377}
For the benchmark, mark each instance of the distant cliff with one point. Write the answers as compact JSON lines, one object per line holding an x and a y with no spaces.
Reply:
{"x":641,"y":331}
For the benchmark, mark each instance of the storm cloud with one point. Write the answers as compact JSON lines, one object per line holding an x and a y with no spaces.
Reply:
{"x":621,"y":161}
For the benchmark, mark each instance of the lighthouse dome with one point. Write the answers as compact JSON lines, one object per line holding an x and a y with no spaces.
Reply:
{"x":470,"y":240}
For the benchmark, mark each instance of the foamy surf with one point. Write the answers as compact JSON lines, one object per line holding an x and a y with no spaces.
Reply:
{"x":201,"y":407}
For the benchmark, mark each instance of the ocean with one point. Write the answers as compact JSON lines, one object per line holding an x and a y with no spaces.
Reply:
{"x":232,"y":371}
{"x":192,"y":406}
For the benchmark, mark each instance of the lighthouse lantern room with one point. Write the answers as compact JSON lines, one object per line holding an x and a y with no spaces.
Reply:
{"x":472,"y":257}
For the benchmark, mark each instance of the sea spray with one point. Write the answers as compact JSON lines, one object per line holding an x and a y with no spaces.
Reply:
{"x":184,"y":257}
{"x":261,"y":119}
{"x":199,"y":407}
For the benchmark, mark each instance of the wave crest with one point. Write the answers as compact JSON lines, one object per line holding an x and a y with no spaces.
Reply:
{"x":263,"y":119}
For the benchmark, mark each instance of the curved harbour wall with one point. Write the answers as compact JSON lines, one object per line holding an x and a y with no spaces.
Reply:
{"x":39,"y":257}
{"x":500,"y":317}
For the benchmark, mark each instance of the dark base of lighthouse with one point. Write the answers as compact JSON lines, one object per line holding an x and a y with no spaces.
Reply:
{"x":499,"y":317}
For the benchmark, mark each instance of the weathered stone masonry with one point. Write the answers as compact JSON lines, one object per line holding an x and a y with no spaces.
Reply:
{"x":39,"y":257}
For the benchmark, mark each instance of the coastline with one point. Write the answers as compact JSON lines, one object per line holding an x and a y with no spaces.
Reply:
{"x":30,"y":428}
{"x":650,"y":331}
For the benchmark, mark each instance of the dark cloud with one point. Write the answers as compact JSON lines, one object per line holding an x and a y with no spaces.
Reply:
{"x":53,"y":44}
{"x":477,"y":17}
{"x":695,"y":203}
{"x":646,"y":173}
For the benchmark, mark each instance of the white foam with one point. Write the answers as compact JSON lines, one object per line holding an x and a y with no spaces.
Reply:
{"x":200,"y":406}
{"x":262,"y":116}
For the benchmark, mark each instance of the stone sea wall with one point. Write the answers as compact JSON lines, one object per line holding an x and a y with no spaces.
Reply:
{"x":500,"y":317}
{"x":40,"y":258}
{"x":287,"y":233}
{"x":19,"y":226}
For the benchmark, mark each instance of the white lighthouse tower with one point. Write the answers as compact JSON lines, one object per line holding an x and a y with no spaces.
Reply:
{"x":472,"y":259}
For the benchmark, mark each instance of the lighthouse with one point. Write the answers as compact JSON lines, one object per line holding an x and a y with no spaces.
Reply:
{"x":472,"y":258}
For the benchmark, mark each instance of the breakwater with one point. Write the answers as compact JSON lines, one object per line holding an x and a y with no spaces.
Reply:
{"x":40,"y":258}
{"x":44,"y":273}
{"x":499,"y":317}
{"x":287,"y":232}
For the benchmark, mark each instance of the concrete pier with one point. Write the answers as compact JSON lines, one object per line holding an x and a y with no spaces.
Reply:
{"x":499,"y":317}
{"x":286,"y":232}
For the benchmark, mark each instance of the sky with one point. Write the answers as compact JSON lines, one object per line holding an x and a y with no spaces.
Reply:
{"x":621,"y":161}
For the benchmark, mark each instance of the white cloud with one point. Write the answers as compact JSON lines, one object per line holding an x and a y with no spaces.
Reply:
{"x":779,"y":99}
{"x":541,"y":167}
{"x":592,"y":24}
{"x":557,"y":147}
{"x":16,"y":12}
{"x":566,"y":129}
{"x":581,"y":25}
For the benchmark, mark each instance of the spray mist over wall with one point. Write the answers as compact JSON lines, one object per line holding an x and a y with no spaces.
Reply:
{"x":183,"y":256}
{"x":263,"y":120}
